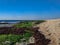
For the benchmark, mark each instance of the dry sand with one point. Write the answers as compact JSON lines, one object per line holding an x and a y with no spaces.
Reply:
{"x":51,"y":29}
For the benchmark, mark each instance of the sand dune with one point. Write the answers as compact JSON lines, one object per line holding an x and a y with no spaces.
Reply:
{"x":51,"y":29}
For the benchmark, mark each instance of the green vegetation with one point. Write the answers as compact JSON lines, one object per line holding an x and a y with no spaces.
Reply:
{"x":28,"y":24}
{"x":10,"y":37}
{"x":39,"y":21}
{"x":3,"y":38}
{"x":27,"y":35}
{"x":24,"y":24}
{"x":15,"y":38}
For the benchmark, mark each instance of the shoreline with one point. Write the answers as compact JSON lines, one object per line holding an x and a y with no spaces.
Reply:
{"x":6,"y":25}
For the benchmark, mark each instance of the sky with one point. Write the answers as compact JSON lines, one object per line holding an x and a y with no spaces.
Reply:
{"x":29,"y":9}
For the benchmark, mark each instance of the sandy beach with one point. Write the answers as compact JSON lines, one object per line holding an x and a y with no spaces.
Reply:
{"x":51,"y":30}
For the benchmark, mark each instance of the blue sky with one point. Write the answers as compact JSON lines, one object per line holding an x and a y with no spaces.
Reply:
{"x":29,"y":9}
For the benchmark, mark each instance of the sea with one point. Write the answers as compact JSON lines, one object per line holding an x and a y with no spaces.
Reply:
{"x":8,"y":23}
